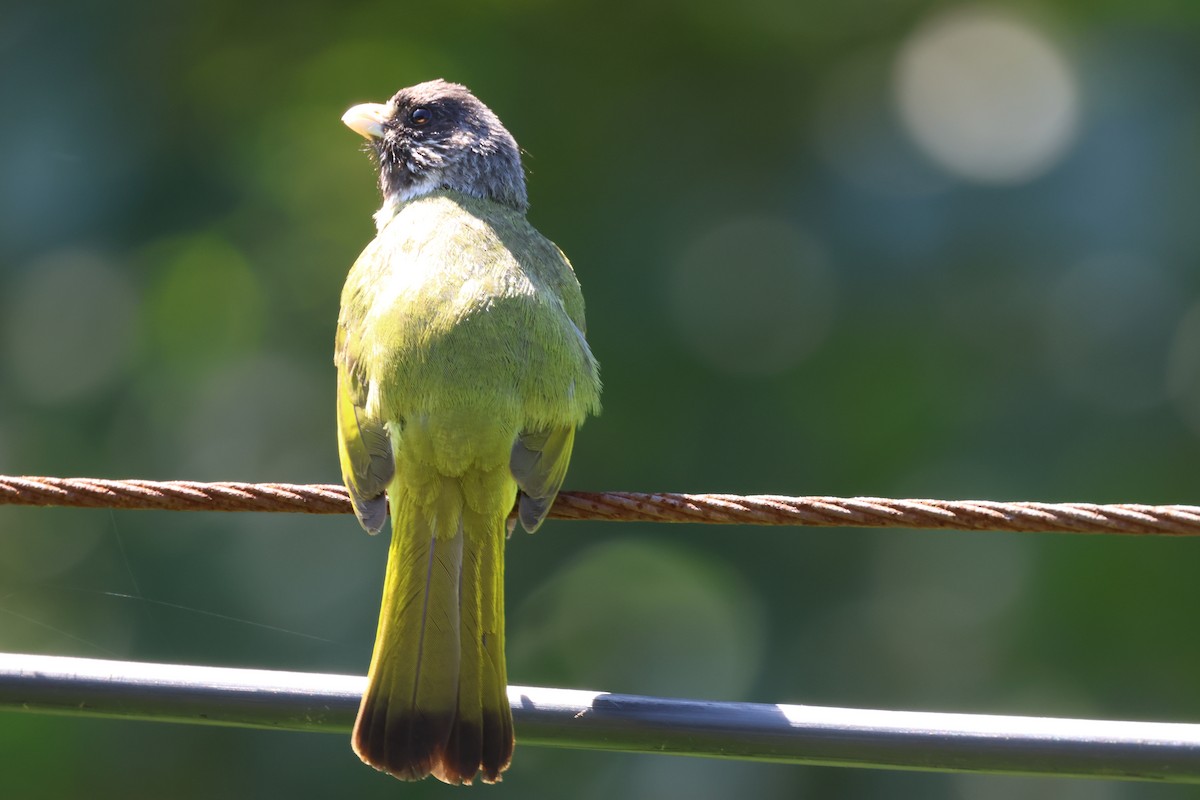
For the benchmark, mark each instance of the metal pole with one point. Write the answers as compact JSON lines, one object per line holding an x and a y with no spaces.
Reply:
{"x":597,"y":720}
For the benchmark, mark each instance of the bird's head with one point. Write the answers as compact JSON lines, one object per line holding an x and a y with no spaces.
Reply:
{"x":437,"y":135}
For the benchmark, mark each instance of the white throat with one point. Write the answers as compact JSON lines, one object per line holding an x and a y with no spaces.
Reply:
{"x":391,"y":204}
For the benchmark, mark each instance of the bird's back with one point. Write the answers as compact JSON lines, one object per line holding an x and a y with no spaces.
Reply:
{"x":471,"y":309}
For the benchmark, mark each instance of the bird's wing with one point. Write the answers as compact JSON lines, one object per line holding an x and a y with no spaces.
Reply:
{"x":364,"y":447}
{"x":539,"y":463}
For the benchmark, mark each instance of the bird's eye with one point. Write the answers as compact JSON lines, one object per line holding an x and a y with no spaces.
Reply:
{"x":420,"y":116}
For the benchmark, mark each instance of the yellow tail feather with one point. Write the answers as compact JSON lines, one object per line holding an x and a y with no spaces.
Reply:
{"x":436,"y":700}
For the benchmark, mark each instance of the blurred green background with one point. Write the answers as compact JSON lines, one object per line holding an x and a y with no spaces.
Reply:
{"x":902,"y":249}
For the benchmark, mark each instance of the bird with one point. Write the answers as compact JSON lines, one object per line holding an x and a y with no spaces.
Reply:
{"x":463,"y":372}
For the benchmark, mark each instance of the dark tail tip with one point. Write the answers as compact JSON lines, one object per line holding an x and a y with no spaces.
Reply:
{"x":497,"y":745}
{"x":404,"y":746}
{"x":412,"y":745}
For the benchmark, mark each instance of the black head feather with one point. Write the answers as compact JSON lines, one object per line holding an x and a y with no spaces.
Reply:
{"x":440,"y":136}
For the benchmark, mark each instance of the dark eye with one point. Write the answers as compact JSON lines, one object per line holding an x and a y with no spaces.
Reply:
{"x":420,"y":116}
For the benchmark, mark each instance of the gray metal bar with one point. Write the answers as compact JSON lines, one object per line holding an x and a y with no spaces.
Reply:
{"x":597,"y":720}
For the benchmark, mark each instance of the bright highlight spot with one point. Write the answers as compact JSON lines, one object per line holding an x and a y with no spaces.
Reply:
{"x":986,"y":96}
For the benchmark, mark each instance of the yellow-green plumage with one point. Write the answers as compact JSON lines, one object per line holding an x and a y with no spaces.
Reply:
{"x":462,"y":375}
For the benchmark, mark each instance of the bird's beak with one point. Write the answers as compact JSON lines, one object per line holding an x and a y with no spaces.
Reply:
{"x":367,"y":119}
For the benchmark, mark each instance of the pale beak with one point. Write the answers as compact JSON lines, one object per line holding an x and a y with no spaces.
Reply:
{"x":367,"y":119}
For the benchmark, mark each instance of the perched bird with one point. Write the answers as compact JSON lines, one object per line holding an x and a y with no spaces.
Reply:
{"x":462,"y":374}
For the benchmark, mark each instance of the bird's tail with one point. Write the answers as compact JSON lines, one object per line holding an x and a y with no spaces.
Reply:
{"x":436,"y":701}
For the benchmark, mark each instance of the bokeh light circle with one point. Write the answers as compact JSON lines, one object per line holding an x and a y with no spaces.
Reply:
{"x":987,"y":96}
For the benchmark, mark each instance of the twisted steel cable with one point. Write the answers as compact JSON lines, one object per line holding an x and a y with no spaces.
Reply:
{"x":721,"y":509}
